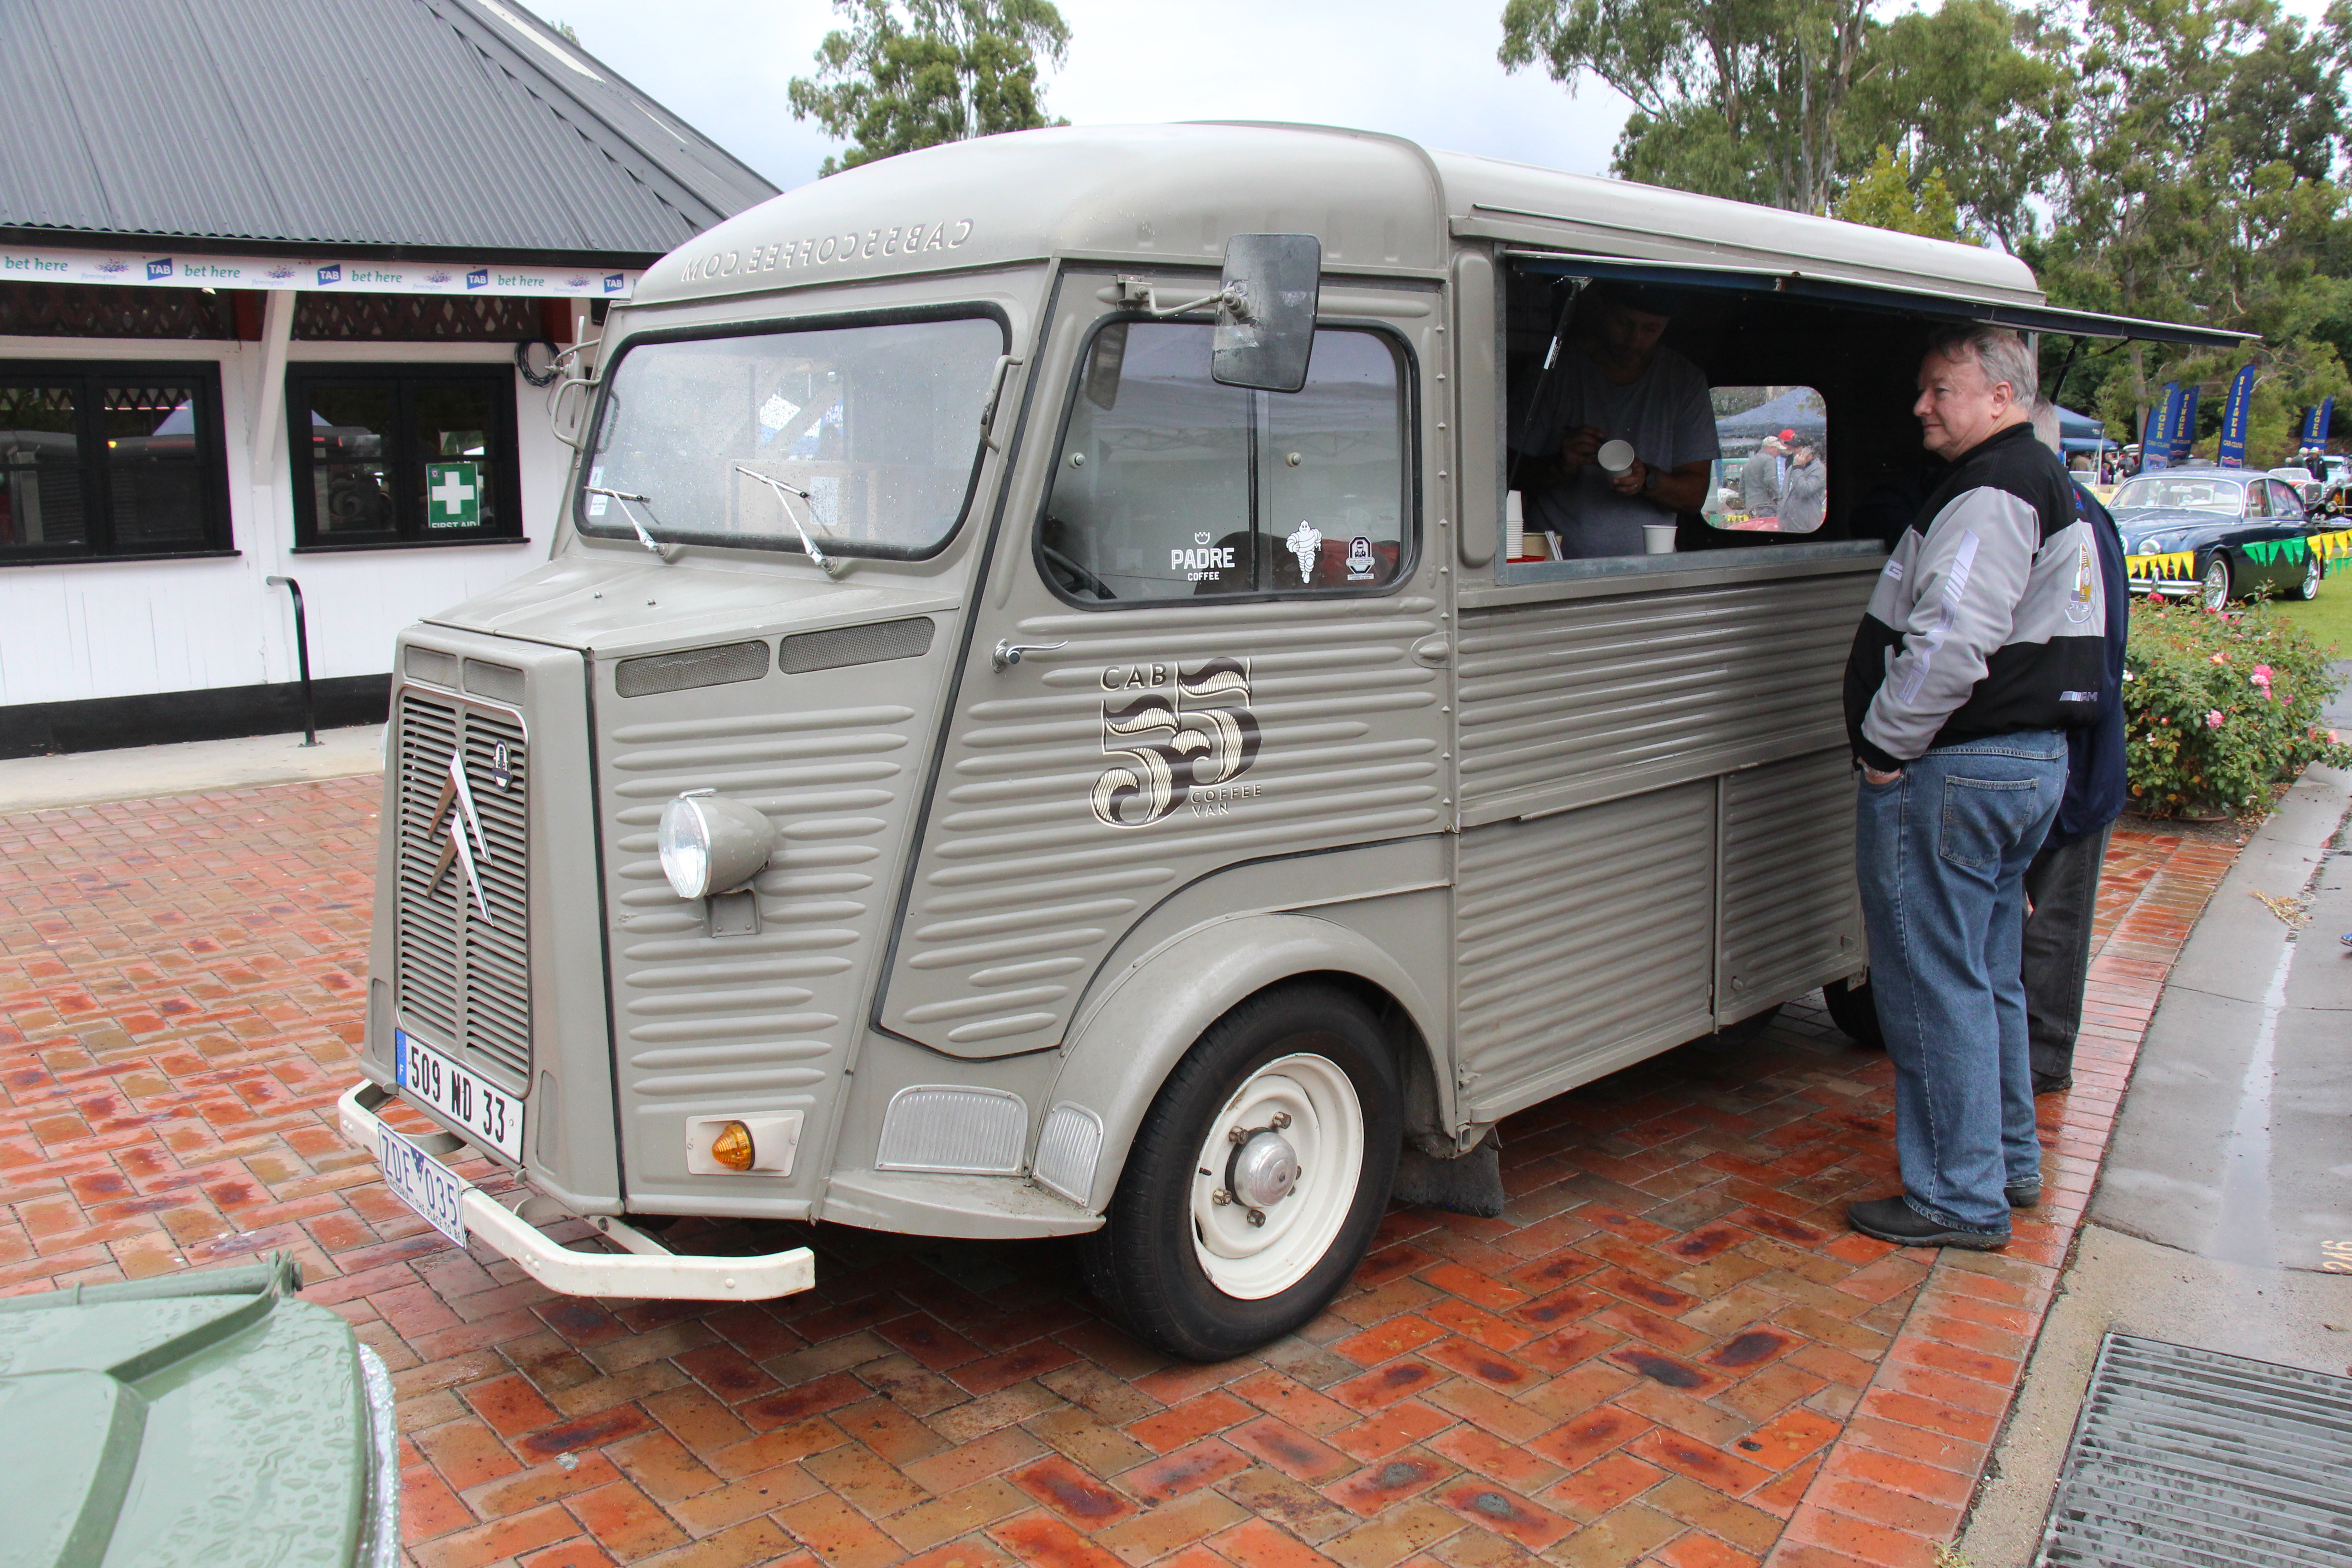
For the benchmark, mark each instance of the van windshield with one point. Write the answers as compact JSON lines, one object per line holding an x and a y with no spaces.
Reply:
{"x":879,"y":424}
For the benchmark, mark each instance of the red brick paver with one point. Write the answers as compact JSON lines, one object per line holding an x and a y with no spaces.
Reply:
{"x":1898,"y":1481}
{"x":1668,"y":1351}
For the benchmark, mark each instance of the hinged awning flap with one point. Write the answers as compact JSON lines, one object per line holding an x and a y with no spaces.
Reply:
{"x":1943,"y":304}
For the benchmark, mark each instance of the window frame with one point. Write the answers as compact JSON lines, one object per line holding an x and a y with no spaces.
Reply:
{"x":575,"y":505}
{"x":98,"y":473}
{"x":1409,"y":515}
{"x":410,"y":532}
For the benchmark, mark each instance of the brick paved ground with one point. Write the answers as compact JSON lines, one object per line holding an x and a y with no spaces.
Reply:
{"x":1649,"y":1358}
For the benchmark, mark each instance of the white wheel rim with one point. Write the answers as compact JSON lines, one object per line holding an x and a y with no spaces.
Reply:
{"x":1325,"y":1130}
{"x":2217,"y":586}
{"x":2311,"y":575}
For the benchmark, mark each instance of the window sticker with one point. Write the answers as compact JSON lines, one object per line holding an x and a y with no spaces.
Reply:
{"x":1305,"y":542}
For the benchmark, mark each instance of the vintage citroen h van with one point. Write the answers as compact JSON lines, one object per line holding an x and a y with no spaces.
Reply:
{"x":1032,"y":725}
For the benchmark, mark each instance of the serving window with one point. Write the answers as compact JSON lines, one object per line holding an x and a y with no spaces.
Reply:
{"x":1168,"y":485}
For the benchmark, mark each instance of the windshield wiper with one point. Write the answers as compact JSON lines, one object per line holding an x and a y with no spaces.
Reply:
{"x":644,"y":536}
{"x":825,"y":564}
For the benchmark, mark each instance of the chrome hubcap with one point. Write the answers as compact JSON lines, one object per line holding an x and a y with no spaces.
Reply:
{"x":1265,"y":1168}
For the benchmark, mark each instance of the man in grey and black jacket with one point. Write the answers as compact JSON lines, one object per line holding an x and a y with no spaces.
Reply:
{"x":1981,"y":646}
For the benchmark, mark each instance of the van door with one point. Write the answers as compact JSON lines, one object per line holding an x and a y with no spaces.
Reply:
{"x":1211,"y":633}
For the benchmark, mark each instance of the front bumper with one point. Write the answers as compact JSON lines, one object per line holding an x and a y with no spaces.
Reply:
{"x":647,"y":1270}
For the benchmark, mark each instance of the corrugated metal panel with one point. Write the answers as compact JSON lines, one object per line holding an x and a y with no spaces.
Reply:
{"x":1583,"y":700}
{"x":1790,"y":912}
{"x":729,"y":1024}
{"x":1022,"y":888}
{"x":2192,"y":1458}
{"x":413,"y":123}
{"x":1581,"y":941}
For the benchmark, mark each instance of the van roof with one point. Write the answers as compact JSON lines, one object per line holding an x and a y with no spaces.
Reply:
{"x":1140,"y":195}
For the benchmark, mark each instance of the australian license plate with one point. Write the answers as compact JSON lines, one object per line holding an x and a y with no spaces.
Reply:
{"x":424,"y":1184}
{"x":484,"y":1109}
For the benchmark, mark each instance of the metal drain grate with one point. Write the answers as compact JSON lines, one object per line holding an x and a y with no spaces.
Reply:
{"x":2189,"y":1458}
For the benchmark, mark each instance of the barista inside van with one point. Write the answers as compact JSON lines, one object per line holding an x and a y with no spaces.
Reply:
{"x":1616,"y":382}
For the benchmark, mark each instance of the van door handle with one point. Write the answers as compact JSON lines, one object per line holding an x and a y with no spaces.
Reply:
{"x":1432,"y":651}
{"x":1008,"y":653}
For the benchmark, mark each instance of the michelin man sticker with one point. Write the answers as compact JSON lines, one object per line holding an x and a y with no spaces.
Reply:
{"x":1305,"y":542}
{"x":1178,"y":734}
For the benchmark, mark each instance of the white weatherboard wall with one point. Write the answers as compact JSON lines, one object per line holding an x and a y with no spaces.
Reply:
{"x":74,"y":631}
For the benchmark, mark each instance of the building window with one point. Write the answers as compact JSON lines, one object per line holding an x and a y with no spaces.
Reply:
{"x":110,"y":460}
{"x":402,"y":455}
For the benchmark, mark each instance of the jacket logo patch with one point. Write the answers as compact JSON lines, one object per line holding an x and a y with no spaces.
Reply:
{"x":2080,"y":603}
{"x":1197,"y":733}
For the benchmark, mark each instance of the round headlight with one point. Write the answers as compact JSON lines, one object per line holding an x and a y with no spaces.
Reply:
{"x":713,"y":846}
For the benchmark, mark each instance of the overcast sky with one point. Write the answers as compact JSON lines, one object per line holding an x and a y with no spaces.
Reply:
{"x":1403,"y":66}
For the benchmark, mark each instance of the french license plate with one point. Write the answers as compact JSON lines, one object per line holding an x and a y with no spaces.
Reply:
{"x":465,"y":1097}
{"x":424,"y":1184}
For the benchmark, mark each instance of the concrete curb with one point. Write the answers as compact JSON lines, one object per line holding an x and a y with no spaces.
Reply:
{"x":195,"y":767}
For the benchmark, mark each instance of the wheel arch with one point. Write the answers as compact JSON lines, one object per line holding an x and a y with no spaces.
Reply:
{"x":1128,"y":1043}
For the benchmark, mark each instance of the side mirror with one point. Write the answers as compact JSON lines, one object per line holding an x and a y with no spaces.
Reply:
{"x":1266,"y":314}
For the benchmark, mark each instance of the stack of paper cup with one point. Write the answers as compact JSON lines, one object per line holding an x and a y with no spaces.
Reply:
{"x":1515,"y":525}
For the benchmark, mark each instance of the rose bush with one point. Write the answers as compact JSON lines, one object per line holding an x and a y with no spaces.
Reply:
{"x":2219,"y":706}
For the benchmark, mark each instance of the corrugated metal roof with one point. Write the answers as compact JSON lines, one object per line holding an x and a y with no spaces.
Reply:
{"x":461,"y":125}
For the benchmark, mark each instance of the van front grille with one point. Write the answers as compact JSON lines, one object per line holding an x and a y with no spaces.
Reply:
{"x":461,"y":937}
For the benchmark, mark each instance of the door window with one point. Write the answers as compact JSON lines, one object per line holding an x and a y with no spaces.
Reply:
{"x":2258,"y":499}
{"x":1168,"y":485}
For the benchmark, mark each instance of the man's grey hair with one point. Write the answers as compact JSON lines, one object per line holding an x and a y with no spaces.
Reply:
{"x":2001,"y":353}
{"x":2045,"y":425}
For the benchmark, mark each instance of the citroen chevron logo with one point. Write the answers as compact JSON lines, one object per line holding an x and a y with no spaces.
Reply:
{"x":456,"y":804}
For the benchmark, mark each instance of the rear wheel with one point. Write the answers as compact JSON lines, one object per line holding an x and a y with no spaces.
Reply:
{"x":1855,"y":1011}
{"x":1256,"y":1179}
{"x":2218,"y":590}
{"x":2313,"y":569}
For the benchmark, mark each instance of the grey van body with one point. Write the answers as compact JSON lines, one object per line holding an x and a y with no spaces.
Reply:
{"x":1544,"y":819}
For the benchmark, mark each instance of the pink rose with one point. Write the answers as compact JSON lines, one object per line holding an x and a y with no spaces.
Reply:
{"x":2212,"y":719}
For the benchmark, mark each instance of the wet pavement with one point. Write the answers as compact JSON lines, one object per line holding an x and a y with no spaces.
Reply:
{"x":1667,"y":1351}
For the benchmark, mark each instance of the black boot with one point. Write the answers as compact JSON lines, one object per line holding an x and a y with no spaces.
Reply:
{"x":1891,"y":1220}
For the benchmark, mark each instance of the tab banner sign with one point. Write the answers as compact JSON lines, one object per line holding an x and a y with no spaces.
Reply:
{"x":2241,"y":406}
{"x":135,"y":270}
{"x":453,"y":495}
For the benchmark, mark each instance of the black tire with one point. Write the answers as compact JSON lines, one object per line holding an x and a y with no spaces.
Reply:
{"x":2314,"y":572}
{"x":1855,"y":1011}
{"x":1143,"y":1264}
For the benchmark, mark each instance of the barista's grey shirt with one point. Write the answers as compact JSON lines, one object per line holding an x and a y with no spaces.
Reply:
{"x":1664,"y":413}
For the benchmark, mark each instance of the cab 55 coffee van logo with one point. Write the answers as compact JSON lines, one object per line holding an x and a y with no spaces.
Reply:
{"x":1173,"y":731}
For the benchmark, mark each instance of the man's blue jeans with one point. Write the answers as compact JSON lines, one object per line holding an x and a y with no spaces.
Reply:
{"x":1942,"y":854}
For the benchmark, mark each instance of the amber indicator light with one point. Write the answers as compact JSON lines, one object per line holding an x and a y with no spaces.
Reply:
{"x":732,"y":1147}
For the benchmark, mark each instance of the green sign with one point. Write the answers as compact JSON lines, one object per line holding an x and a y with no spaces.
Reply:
{"x":453,"y":495}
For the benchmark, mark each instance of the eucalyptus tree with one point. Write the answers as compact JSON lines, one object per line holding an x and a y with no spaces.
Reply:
{"x":915,"y":73}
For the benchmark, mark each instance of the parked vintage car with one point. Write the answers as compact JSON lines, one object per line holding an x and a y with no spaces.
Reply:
{"x":2218,"y":534}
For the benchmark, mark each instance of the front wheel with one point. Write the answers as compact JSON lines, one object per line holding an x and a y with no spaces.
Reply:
{"x":2218,"y":592}
{"x":1256,"y":1179}
{"x":2313,"y":569}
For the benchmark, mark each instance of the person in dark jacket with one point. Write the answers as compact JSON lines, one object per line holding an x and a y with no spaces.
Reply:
{"x":2061,"y":886}
{"x":1983,"y":643}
